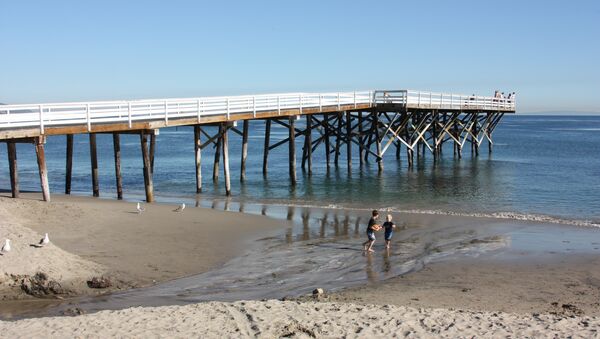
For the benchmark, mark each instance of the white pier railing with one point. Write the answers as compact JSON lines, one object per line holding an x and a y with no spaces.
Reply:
{"x":104,"y":112}
{"x":420,"y":99}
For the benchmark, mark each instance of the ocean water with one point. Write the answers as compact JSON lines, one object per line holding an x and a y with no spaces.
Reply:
{"x":542,"y":165}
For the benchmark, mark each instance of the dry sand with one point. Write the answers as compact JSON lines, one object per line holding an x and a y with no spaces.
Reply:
{"x":274,"y":319}
{"x":92,"y":237}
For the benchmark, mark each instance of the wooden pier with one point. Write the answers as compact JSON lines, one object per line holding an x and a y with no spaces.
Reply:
{"x":367,"y":122}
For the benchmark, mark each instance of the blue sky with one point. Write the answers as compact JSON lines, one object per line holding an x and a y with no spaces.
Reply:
{"x":546,"y":51}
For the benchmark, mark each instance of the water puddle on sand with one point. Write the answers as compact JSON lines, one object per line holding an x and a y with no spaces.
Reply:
{"x":322,"y":250}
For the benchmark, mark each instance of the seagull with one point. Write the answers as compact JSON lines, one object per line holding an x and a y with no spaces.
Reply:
{"x":45,"y":240}
{"x":140,"y":209}
{"x":6,"y":247}
{"x":180,"y":208}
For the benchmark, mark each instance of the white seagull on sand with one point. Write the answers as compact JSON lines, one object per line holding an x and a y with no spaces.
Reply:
{"x":180,"y":208}
{"x":140,"y":209}
{"x":6,"y":247}
{"x":45,"y":240}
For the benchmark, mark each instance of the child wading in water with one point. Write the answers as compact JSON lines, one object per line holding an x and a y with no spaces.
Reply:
{"x":389,"y":230}
{"x":371,"y":229}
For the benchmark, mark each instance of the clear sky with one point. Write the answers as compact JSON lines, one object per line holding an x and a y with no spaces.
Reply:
{"x":546,"y":51}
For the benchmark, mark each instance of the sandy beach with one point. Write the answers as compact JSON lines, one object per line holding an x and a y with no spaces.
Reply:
{"x":95,"y":237}
{"x":502,"y":291}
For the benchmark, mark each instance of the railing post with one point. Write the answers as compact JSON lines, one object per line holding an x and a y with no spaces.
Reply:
{"x":227,"y":108}
{"x":198,"y":110}
{"x":338,"y":100}
{"x":166,"y":113}
{"x":418,"y":100}
{"x":129,"y":114}
{"x":278,"y":105}
{"x":320,"y":102}
{"x":354,"y":99}
{"x":254,"y":106}
{"x":41,"y":120}
{"x":441,"y":99}
{"x":89,"y":119}
{"x":300,"y":98}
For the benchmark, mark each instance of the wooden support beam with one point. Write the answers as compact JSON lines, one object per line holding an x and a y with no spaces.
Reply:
{"x":308,"y":138}
{"x":244,"y":150}
{"x":94,"y":163}
{"x":217,"y":154}
{"x":378,"y":141}
{"x":349,"y":140}
{"x":117,"y":154}
{"x":12,"y":164}
{"x":69,"y":164}
{"x":292,"y":150}
{"x":41,"y":160}
{"x":225,"y":143}
{"x":326,"y":139}
{"x":198,"y":156}
{"x":338,"y":139}
{"x":152,"y":148}
{"x":148,"y":184}
{"x":361,"y":140}
{"x":266,"y":148}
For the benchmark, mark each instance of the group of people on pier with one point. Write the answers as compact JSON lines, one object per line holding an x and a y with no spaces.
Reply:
{"x":500,"y":95}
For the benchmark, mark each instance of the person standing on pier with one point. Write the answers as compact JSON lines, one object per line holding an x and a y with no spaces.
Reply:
{"x":372,"y":227}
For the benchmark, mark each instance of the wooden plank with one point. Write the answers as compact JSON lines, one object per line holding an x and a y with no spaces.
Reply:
{"x":292,"y":151}
{"x":148,"y":183}
{"x":117,"y":155}
{"x":198,"y":156}
{"x":225,"y":143}
{"x":69,"y":164}
{"x":12,"y":164}
{"x":41,"y":160}
{"x":266,"y":147}
{"x":244,"y":150}
{"x":94,"y":160}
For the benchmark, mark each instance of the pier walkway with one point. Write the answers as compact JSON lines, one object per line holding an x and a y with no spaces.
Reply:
{"x":378,"y":119}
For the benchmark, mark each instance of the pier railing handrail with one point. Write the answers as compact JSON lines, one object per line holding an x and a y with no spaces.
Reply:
{"x":433,"y":100}
{"x":130,"y":111}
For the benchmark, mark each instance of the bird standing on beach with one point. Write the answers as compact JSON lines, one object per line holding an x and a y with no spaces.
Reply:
{"x":6,"y":247}
{"x":180,"y":208}
{"x":45,"y":240}
{"x":140,"y":209}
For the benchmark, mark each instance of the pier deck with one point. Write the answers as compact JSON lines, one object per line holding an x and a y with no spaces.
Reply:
{"x":380,"y":118}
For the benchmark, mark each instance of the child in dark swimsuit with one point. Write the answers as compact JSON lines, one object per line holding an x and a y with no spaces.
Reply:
{"x":372,"y":227}
{"x":389,"y":230}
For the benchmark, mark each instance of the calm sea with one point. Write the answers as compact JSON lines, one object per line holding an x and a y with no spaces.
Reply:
{"x":544,"y":165}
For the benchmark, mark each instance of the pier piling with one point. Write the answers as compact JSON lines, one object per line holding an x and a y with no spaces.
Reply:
{"x":69,"y":164}
{"x":12,"y":164}
{"x":117,"y":155}
{"x":94,"y":163}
